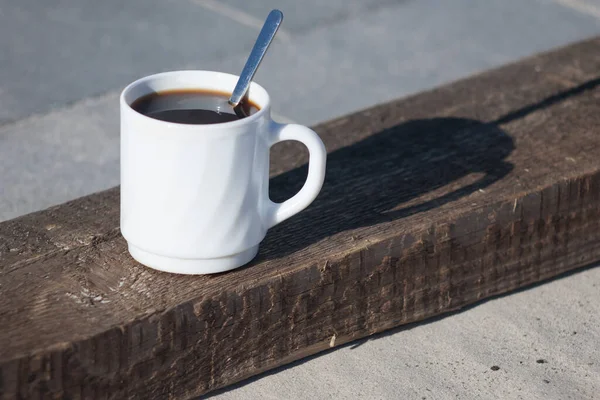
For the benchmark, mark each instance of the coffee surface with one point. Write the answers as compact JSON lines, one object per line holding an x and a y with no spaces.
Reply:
{"x":192,"y":106}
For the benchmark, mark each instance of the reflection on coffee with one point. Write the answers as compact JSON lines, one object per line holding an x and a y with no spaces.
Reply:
{"x":192,"y":106}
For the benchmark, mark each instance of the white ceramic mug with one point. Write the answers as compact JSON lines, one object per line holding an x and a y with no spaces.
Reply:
{"x":195,"y":198}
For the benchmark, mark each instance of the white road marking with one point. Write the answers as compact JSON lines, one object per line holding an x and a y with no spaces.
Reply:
{"x":240,"y":17}
{"x":581,"y":6}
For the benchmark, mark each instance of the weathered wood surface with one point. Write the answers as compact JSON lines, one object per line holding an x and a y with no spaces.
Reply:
{"x":431,"y":203}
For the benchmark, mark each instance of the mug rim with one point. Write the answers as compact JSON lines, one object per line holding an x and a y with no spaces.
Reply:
{"x":221,"y":125}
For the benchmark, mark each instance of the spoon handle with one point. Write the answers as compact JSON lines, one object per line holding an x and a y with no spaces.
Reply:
{"x":265,"y":37}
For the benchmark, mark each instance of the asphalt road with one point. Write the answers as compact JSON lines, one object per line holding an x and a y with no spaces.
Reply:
{"x":64,"y":62}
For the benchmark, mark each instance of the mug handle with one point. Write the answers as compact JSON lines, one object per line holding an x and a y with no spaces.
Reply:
{"x":279,"y":212}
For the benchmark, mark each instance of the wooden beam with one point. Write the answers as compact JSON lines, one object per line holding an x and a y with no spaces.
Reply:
{"x":431,"y":203}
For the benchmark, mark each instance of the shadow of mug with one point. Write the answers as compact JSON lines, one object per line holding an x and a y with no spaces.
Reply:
{"x":368,"y":181}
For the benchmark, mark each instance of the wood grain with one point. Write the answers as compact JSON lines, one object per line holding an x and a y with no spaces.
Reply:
{"x":431,"y":203}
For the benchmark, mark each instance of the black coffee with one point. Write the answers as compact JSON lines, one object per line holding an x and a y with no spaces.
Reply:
{"x":192,"y":106}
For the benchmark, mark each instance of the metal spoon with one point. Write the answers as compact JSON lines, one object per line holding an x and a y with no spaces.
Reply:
{"x":265,"y":37}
